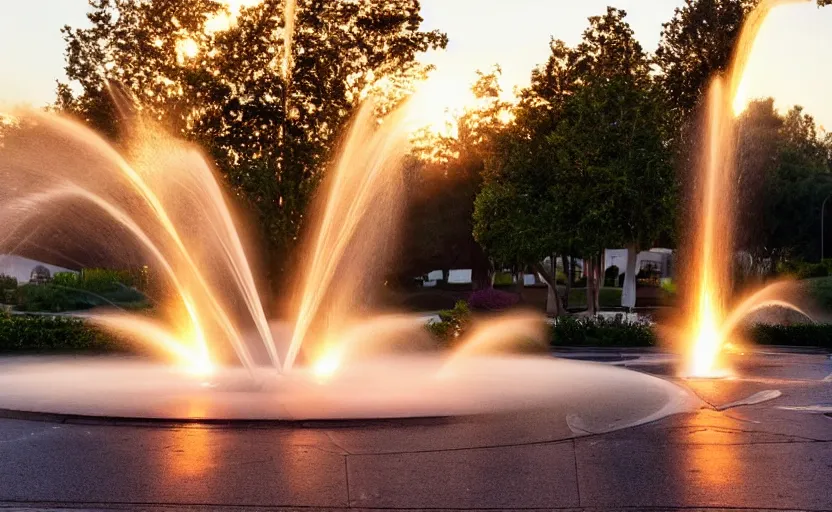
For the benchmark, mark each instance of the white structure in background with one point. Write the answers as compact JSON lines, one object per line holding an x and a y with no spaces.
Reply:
{"x":432,"y":278}
{"x":21,"y":268}
{"x":655,"y":260}
{"x":459,"y":276}
{"x":660,"y":260}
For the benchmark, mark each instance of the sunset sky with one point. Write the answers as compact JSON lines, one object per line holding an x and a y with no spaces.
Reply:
{"x":791,"y":61}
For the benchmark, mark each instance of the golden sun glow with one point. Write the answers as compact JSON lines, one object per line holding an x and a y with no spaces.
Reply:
{"x":442,"y":99}
{"x":186,"y":49}
{"x":226,"y":17}
{"x":741,"y":99}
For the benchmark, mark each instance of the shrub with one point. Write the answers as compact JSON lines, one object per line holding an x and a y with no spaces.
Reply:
{"x":453,"y":322}
{"x":8,"y":282}
{"x":802,"y":335}
{"x":490,"y":299}
{"x":803,"y":270}
{"x":51,"y":299}
{"x":26,"y":333}
{"x":812,"y":270}
{"x":8,"y":289}
{"x":102,"y":280}
{"x":600,"y":332}
{"x":68,"y":279}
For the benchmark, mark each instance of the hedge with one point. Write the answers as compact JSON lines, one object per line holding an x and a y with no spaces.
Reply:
{"x":804,"y":335}
{"x":44,"y":333}
{"x":599,"y":332}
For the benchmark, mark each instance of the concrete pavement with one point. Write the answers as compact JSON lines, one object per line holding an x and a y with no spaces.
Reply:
{"x":763,"y":456}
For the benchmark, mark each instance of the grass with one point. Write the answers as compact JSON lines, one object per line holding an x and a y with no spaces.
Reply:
{"x":608,"y":297}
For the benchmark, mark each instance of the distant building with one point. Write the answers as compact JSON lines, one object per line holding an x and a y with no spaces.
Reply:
{"x":23,"y":269}
{"x":656,"y":260}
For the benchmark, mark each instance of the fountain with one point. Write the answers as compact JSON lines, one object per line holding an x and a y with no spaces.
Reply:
{"x":157,"y":201}
{"x":160,"y":202}
{"x":709,"y":326}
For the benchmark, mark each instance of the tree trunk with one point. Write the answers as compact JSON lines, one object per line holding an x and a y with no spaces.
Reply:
{"x":567,"y":271}
{"x":520,"y":285}
{"x":553,"y":305}
{"x":628,"y":294}
{"x":482,"y":271}
{"x":591,"y":271}
{"x":599,"y":279}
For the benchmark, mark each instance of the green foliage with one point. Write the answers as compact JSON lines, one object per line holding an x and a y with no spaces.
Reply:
{"x":101,"y":280}
{"x":804,"y":270}
{"x":804,"y":335}
{"x":784,"y":179}
{"x":57,"y":298}
{"x":453,"y":323}
{"x":586,"y":164}
{"x":669,"y":286}
{"x":686,"y":67}
{"x":820,"y":290}
{"x":67,"y":279}
{"x":8,"y":289}
{"x":52,"y":299}
{"x":503,"y":279}
{"x":7,"y":282}
{"x":26,"y":333}
{"x":599,"y":332}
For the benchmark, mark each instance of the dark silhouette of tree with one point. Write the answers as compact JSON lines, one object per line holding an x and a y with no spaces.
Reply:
{"x":783,"y":179}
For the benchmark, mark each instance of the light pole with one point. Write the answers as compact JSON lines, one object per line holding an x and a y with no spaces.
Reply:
{"x":822,"y":231}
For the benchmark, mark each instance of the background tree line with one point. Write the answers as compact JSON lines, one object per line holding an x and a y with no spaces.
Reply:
{"x":593,"y":157}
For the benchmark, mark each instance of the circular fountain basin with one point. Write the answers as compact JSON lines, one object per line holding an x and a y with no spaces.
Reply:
{"x":592,"y":397}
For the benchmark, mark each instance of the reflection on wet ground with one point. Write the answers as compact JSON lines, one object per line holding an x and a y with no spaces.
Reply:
{"x":772,"y":454}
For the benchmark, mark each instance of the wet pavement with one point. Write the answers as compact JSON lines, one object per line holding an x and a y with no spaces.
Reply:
{"x":773,"y":455}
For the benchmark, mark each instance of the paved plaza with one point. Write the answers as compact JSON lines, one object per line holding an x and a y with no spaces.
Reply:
{"x":775,"y":455}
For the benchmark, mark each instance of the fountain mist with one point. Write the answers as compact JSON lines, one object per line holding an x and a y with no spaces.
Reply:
{"x":67,"y":186}
{"x":714,"y":222}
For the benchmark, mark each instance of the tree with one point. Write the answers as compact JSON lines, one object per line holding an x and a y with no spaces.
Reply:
{"x":514,"y":217}
{"x":616,"y":172}
{"x":269,"y":117}
{"x":585,"y":165}
{"x":442,"y":187}
{"x":697,"y":44}
{"x":783,"y":179}
{"x":517,"y":219}
{"x":612,"y":146}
